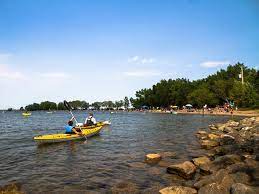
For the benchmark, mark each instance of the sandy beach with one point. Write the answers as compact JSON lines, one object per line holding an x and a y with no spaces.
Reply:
{"x":248,"y":113}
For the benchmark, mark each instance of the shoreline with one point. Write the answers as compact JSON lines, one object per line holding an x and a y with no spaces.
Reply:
{"x":248,"y":113}
{"x":230,"y":164}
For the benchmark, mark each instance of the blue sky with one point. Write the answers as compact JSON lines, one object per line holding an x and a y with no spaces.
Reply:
{"x":105,"y":50}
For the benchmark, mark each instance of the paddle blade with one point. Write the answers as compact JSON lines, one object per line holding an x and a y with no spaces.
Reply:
{"x":67,"y":105}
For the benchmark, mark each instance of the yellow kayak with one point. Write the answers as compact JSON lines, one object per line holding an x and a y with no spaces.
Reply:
{"x":26,"y":114}
{"x":87,"y":132}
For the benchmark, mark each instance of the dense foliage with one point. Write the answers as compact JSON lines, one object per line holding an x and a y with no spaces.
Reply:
{"x":216,"y":89}
{"x":78,"y":105}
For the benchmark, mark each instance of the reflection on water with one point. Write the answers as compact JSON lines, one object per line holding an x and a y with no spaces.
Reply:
{"x":111,"y":161}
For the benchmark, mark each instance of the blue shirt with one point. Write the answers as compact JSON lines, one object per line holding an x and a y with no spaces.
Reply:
{"x":68,"y":129}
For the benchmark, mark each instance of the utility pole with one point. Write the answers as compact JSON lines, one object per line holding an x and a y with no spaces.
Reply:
{"x":242,"y":75}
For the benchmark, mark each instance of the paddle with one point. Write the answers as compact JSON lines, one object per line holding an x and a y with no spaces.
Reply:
{"x":69,"y":108}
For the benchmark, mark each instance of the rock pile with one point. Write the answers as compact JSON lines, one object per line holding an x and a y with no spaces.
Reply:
{"x":230,"y":166}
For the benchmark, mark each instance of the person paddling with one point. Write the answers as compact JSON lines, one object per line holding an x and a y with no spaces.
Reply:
{"x":70,"y":129}
{"x":90,"y":120}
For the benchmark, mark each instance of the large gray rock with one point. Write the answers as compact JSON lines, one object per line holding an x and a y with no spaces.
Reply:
{"x":220,"y":162}
{"x":201,"y":160}
{"x":239,"y":167}
{"x":153,"y":158}
{"x":228,"y":159}
{"x":226,"y":140}
{"x":248,"y":121}
{"x":185,"y":170}
{"x":208,"y":144}
{"x":220,"y":126}
{"x":226,"y":149}
{"x":231,"y":123}
{"x":178,"y":190}
{"x":241,"y":177}
{"x":239,"y":188}
{"x":213,"y":136}
{"x":216,"y":177}
{"x":213,"y":188}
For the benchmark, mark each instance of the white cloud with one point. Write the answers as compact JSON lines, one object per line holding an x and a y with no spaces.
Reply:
{"x":7,"y":73}
{"x":141,"y":60}
{"x":142,"y":73}
{"x":58,"y":75}
{"x":212,"y":64}
{"x":133,"y":59}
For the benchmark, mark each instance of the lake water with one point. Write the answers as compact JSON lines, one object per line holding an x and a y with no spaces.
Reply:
{"x":115,"y":157}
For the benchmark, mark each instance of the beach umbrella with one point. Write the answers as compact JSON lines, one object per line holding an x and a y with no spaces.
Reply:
{"x":188,"y":105}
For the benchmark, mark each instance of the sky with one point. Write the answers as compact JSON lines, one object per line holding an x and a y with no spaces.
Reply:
{"x":108,"y":49}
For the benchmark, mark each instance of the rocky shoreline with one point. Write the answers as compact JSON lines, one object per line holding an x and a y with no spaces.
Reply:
{"x":231,"y":163}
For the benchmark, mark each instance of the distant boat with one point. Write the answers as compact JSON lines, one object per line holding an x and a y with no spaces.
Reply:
{"x":112,"y":112}
{"x":174,"y":113}
{"x":26,"y":114}
{"x":49,"y":112}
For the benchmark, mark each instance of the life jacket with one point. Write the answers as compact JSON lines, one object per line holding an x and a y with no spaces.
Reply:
{"x":89,"y":122}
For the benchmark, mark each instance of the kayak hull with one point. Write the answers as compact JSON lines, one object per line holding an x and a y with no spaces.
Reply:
{"x":54,"y":138}
{"x":26,"y":114}
{"x":88,"y":131}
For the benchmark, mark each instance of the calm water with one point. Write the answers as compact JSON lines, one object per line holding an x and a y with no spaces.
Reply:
{"x":115,"y":156}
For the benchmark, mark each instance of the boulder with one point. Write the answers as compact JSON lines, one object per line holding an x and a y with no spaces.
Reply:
{"x":208,"y":144}
{"x":248,"y":121}
{"x":228,"y":130}
{"x":213,"y":127}
{"x":216,"y":177}
{"x":201,"y":132}
{"x":226,"y":140}
{"x":153,"y":158}
{"x":241,"y":177}
{"x":212,"y":136}
{"x":238,"y":167}
{"x":206,"y":169}
{"x":12,"y":188}
{"x":239,"y":188}
{"x":185,"y":170}
{"x":178,"y":190}
{"x":220,"y":126}
{"x":201,"y":160}
{"x":231,"y":123}
{"x":228,"y":159}
{"x":251,"y":162}
{"x":213,"y":188}
{"x":225,"y":149}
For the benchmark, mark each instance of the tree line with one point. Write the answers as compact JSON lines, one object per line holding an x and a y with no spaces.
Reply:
{"x":78,"y":105}
{"x":217,"y":89}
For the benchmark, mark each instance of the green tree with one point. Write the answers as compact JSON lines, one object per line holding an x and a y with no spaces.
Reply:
{"x":96,"y":105}
{"x":47,"y":105}
{"x":61,"y":106}
{"x":126,"y":103}
{"x":33,"y":107}
{"x":118,"y":104}
{"x":244,"y":95}
{"x":201,"y":96}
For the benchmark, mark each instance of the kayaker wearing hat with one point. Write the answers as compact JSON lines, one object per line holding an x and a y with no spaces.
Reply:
{"x":90,"y":120}
{"x":70,"y":129}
